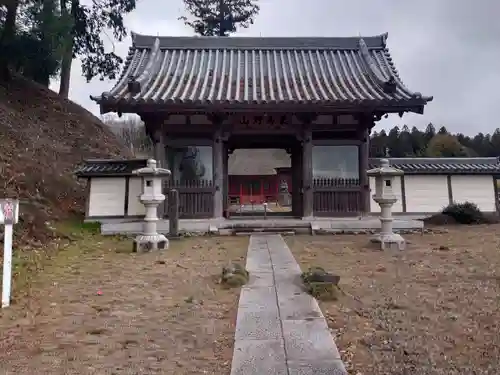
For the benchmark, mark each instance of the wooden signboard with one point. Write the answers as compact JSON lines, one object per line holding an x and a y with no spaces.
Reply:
{"x":262,"y":122}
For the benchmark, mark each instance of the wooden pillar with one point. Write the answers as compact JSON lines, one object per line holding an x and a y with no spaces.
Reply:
{"x":307,"y":173}
{"x":296,"y":156}
{"x":159,"y":148}
{"x":218,"y":171}
{"x":225,"y":192}
{"x":159,"y":154}
{"x":363,"y":155}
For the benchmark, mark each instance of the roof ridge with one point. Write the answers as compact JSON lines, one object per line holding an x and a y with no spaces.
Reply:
{"x":248,"y":42}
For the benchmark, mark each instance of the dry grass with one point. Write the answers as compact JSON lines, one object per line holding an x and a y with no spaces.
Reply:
{"x":97,"y":308}
{"x":432,"y":309}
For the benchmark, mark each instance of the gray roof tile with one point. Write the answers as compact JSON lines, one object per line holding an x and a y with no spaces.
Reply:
{"x":443,"y":165}
{"x":265,"y":161}
{"x":201,"y":70}
{"x":108,"y":167}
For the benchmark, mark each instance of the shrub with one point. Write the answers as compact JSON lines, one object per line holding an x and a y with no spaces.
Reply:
{"x":464,"y":213}
{"x":234,"y":275}
{"x":321,"y":284}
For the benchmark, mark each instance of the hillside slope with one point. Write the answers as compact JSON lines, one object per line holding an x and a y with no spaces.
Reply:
{"x":42,"y":139}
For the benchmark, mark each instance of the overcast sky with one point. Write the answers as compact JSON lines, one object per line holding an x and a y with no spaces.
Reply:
{"x":446,"y":48}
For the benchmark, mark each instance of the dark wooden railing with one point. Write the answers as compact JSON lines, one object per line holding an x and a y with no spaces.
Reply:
{"x":196,"y":198}
{"x":336,"y":196}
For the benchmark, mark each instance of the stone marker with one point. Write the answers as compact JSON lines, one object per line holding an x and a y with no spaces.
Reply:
{"x":385,"y":197}
{"x":151,"y":198}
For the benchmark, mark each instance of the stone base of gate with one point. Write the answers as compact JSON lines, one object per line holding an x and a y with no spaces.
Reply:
{"x":354,"y":225}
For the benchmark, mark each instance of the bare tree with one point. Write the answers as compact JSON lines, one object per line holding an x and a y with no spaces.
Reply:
{"x":132,"y":132}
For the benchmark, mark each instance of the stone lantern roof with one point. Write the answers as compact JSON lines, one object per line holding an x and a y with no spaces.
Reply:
{"x":152,"y":170}
{"x":385,"y":170}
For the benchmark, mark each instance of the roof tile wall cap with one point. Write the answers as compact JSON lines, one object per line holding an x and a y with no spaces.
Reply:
{"x":114,"y":160}
{"x":461,"y":160}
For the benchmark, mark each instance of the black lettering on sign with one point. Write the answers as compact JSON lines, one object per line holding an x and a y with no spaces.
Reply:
{"x":258,"y":120}
{"x":244,"y":120}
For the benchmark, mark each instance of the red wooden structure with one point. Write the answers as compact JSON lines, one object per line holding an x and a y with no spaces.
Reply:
{"x":248,"y":189}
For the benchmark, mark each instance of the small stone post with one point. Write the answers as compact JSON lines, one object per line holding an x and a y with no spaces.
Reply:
{"x":385,"y":197}
{"x":173,"y":214}
{"x":151,"y":198}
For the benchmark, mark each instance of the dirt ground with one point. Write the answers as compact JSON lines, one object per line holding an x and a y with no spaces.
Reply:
{"x":97,"y":308}
{"x":432,"y":309}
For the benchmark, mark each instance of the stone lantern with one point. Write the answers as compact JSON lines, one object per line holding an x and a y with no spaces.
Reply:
{"x":151,"y":198}
{"x":385,"y":198}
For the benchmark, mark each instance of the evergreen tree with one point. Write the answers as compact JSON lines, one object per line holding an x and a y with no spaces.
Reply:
{"x":219,"y":17}
{"x":88,"y":25}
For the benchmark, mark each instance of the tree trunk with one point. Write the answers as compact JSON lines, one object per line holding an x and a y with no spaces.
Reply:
{"x":222,"y":31}
{"x":67,"y":55}
{"x":66,"y":61}
{"x":7,"y":39}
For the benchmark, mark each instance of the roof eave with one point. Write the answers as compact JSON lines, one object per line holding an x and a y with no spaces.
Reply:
{"x":414,"y":105}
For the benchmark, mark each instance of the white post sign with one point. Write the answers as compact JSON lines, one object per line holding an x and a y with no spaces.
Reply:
{"x":9,"y":215}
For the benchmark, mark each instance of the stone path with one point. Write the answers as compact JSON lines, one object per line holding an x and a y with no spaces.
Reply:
{"x":280,"y":329}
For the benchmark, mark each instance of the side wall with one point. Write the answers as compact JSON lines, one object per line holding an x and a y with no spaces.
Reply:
{"x":135,"y":207}
{"x":106,"y":197}
{"x":426,"y":193}
{"x":476,"y":189}
{"x":422,"y":194}
{"x":114,"y":197}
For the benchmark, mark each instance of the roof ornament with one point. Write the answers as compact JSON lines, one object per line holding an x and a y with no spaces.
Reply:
{"x":133,"y":86}
{"x":389,"y":85}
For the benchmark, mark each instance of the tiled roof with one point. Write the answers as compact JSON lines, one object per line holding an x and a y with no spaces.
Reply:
{"x":443,"y":165}
{"x":488,"y":166}
{"x":237,"y":70}
{"x":108,"y":167}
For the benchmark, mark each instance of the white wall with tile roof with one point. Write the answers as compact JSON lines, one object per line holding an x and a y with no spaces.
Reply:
{"x":476,"y":189}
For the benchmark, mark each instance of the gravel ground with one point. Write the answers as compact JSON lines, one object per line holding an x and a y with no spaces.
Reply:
{"x":99,"y":309}
{"x":432,"y":309}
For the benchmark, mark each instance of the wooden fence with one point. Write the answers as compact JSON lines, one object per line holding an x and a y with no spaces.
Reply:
{"x":337,"y":197}
{"x":196,"y":198}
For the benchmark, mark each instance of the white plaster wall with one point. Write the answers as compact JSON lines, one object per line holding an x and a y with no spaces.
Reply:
{"x":475,"y":189}
{"x":107,"y":196}
{"x":396,"y":188}
{"x":426,"y":193}
{"x":135,"y":207}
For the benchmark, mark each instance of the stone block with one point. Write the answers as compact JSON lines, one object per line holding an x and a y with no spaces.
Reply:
{"x":259,"y":279}
{"x":258,"y":297}
{"x":144,"y":243}
{"x":309,"y":340}
{"x":262,"y":357}
{"x":258,"y":325}
{"x":298,"y":306}
{"x":390,"y":242}
{"x":333,"y":367}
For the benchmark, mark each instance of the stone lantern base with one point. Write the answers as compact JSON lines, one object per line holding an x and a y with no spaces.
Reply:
{"x":145,"y":242}
{"x":392,"y":241}
{"x":284,"y":199}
